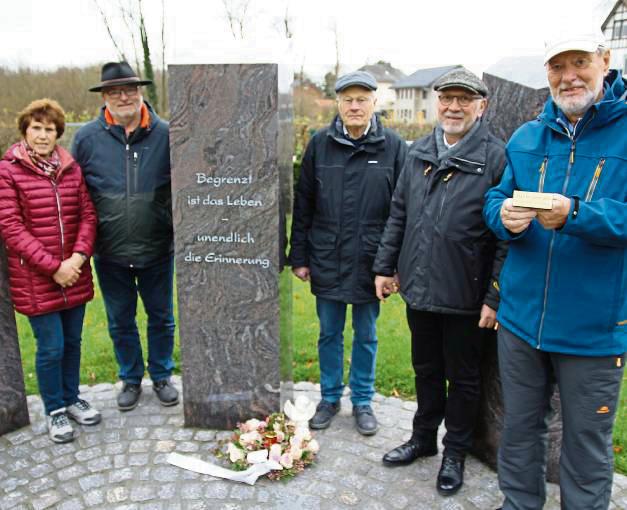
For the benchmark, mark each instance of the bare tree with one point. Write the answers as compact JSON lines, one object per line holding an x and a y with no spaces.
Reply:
{"x":148,"y":70}
{"x":284,"y":24}
{"x":105,"y":20}
{"x":236,"y":16}
{"x":164,"y":95}
{"x":128,"y":16}
{"x":337,"y":48}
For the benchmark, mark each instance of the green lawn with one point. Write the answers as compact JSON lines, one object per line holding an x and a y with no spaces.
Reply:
{"x":394,"y":371}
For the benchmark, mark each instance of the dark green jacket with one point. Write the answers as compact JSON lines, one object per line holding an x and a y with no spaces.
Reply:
{"x":129,"y":183}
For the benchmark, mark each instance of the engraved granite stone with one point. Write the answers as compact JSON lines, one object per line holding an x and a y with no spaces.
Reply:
{"x":231,"y":162}
{"x":13,"y":408}
{"x":514,"y":99}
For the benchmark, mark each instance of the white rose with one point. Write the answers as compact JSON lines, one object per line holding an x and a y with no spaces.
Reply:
{"x":257,"y":456}
{"x":235,"y":453}
{"x":313,"y":446}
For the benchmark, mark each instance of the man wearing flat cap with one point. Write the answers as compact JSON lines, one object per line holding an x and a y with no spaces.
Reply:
{"x":125,"y":156}
{"x":563,"y":313}
{"x":448,"y":265}
{"x":342,"y":200}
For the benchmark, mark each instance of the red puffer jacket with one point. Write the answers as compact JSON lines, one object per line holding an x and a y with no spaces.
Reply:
{"x":42,"y":223}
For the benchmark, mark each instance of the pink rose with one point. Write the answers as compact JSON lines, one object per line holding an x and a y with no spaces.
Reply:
{"x":275,"y":452}
{"x":286,"y":461}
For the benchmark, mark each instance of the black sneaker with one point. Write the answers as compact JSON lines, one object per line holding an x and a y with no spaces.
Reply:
{"x":325,"y":411}
{"x":168,"y":395}
{"x":365,"y":420}
{"x":128,"y":398}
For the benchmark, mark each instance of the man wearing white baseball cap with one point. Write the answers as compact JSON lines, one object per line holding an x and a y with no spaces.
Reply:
{"x":563,"y":308}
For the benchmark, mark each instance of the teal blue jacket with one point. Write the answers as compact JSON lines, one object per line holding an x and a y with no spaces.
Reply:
{"x":564,"y":290}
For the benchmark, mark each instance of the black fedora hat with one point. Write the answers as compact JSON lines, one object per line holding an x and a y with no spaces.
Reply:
{"x":118,"y":73}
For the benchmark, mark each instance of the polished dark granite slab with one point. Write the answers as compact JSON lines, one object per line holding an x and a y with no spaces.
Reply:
{"x":227,"y":151}
{"x":510,"y":105}
{"x":13,"y":408}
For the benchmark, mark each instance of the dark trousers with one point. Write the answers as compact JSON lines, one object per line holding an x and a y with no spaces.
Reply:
{"x":589,"y":388}
{"x":446,"y":347}
{"x":120,"y":287}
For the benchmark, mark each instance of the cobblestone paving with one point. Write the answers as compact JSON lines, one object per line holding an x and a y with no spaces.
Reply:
{"x":120,"y":464}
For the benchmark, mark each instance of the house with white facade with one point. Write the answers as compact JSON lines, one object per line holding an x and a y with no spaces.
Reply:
{"x":615,"y":29}
{"x":386,"y":76}
{"x":415,"y":97}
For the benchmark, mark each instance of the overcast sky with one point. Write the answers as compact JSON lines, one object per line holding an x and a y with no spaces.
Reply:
{"x":411,"y":34}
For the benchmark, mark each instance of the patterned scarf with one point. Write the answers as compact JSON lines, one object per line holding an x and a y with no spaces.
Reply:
{"x":50,"y":166}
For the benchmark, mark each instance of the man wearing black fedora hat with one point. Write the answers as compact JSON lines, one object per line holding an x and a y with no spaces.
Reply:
{"x":125,"y":156}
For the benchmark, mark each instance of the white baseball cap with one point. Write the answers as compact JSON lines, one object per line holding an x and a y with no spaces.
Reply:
{"x":573,"y":36}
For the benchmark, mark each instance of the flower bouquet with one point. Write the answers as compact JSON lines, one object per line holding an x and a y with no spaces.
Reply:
{"x":276,"y":439}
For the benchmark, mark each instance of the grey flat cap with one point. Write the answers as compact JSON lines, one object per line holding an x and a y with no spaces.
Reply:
{"x":358,"y":78}
{"x":461,"y":78}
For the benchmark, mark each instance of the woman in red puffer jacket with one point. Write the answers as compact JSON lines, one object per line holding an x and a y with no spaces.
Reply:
{"x":48,"y":224}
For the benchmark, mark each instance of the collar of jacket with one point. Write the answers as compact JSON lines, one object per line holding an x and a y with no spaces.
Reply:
{"x":612,"y":106}
{"x":471,"y":156}
{"x":16,"y":156}
{"x":118,"y":131}
{"x":373,"y":141}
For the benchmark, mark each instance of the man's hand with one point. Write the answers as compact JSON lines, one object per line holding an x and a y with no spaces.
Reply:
{"x":556,"y":217}
{"x":516,"y":219}
{"x":67,"y":274}
{"x":302,"y":273}
{"x":386,"y":285}
{"x":487,"y":318}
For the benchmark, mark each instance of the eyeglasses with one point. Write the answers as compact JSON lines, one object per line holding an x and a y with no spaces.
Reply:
{"x":348,"y":101}
{"x":463,"y":101}
{"x":127,"y":91}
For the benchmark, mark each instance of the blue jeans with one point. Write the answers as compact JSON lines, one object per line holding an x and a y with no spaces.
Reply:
{"x":120,"y":286}
{"x":58,"y":358}
{"x":332,"y":316}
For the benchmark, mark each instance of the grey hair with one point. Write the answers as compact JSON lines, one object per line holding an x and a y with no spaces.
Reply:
{"x":601,"y":50}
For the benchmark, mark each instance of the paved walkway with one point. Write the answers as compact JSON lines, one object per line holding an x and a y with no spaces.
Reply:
{"x":120,"y":464}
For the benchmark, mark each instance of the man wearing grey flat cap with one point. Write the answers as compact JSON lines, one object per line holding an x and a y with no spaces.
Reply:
{"x":448,"y":265}
{"x":342,"y":201}
{"x":563,"y":313}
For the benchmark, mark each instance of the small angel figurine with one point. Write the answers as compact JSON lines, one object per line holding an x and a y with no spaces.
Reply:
{"x":300,"y":412}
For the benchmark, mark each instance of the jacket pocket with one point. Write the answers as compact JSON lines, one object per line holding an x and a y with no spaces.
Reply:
{"x":455,"y":274}
{"x":595,"y":180}
{"x":542,"y":171}
{"x":368,"y":246}
{"x":323,"y":256}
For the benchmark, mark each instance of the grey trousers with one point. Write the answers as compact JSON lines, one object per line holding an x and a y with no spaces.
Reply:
{"x":589,"y":389}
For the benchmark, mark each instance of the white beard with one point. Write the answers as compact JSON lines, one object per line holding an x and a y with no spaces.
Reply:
{"x":577,"y":106}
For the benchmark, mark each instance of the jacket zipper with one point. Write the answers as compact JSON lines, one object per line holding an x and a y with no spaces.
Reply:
{"x":595,"y":180}
{"x":128,"y":192}
{"x":445,"y":181}
{"x":58,"y":199}
{"x":571,"y":161}
{"x":542,"y":174}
